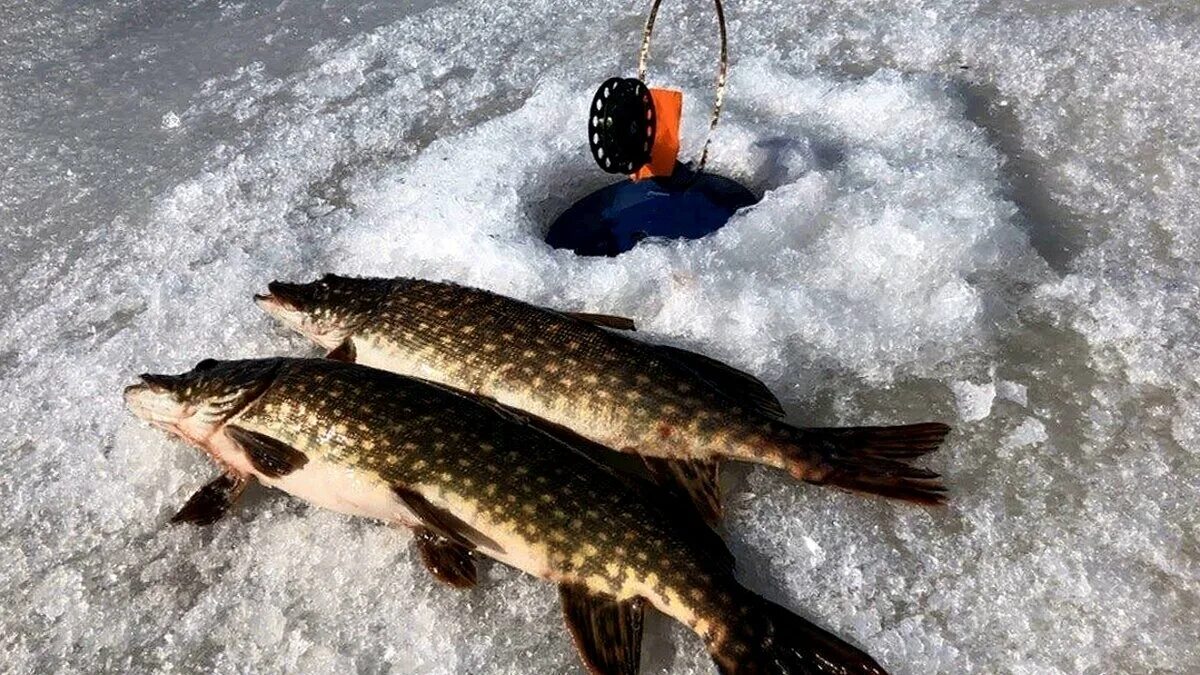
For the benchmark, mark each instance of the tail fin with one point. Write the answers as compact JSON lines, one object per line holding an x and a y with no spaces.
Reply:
{"x":777,"y":642}
{"x":872,"y":459}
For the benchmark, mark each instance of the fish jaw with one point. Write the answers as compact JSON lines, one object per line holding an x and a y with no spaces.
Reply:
{"x":295,"y":318}
{"x":286,"y":314}
{"x":162,"y":410}
{"x":155,"y":404}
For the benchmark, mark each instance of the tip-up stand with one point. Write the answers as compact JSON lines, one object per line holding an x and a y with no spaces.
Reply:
{"x":634,"y":130}
{"x":613,"y":219}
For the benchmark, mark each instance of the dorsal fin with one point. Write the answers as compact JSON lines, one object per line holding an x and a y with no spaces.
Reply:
{"x":607,"y":632}
{"x":674,"y":499}
{"x":670,"y":502}
{"x":443,"y":523}
{"x":694,"y":479}
{"x":448,"y":561}
{"x":740,"y":386}
{"x":269,"y":456}
{"x":604,"y":320}
{"x":211,"y":502}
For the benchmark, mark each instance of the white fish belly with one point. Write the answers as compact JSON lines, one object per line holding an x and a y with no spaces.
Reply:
{"x":345,"y":490}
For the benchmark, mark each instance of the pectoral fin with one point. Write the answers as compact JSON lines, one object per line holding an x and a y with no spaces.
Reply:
{"x":604,"y":320}
{"x":607,"y":631}
{"x":443,"y":523}
{"x":211,"y":502}
{"x":739,"y":386}
{"x":343,"y":352}
{"x":448,"y":561}
{"x":694,"y":480}
{"x":269,"y":456}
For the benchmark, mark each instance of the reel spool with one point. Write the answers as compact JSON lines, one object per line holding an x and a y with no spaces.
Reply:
{"x":621,"y":125}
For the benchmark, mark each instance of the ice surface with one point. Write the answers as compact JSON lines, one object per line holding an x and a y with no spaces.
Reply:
{"x":977,"y":212}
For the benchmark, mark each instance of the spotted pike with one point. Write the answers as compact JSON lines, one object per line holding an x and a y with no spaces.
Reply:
{"x":681,"y":411}
{"x":469,"y":477}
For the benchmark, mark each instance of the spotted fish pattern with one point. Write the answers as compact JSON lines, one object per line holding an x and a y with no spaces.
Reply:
{"x":371,"y":443}
{"x":559,"y":514}
{"x":573,"y":371}
{"x":614,"y":390}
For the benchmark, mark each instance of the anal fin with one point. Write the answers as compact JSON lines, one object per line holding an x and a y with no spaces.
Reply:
{"x":604,"y":320}
{"x":694,"y":480}
{"x":211,"y":502}
{"x":449,"y":562}
{"x":607,"y":632}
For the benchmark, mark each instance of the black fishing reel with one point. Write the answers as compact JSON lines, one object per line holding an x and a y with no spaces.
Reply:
{"x":621,"y":125}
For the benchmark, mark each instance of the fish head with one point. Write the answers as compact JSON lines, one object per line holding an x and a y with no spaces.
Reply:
{"x":325,"y":311}
{"x":197,"y":403}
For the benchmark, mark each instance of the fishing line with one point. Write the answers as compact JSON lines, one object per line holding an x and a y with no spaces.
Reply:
{"x":722,"y":69}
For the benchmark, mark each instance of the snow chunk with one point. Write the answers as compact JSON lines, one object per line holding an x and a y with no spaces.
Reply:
{"x":1013,"y":391}
{"x":974,"y":401}
{"x":1031,"y":431}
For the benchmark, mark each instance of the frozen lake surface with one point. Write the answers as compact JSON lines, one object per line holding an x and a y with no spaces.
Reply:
{"x":979,"y":212}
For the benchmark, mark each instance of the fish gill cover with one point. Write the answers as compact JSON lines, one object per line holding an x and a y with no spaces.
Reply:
{"x":971,"y":211}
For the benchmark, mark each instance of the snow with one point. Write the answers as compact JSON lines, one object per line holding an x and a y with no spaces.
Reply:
{"x":973,"y":401}
{"x":975,"y":212}
{"x":1030,"y":431}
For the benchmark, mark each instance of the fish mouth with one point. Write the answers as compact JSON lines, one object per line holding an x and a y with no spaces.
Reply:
{"x":152,"y":398}
{"x":292,"y":305}
{"x":281,"y":296}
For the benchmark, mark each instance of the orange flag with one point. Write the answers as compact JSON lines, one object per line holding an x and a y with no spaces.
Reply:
{"x":668,"y":109}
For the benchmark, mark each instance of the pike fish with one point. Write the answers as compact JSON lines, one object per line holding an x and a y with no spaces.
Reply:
{"x":682,"y":412}
{"x":471,"y":479}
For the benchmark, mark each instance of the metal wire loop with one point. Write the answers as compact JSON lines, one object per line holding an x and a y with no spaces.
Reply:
{"x":722,"y":70}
